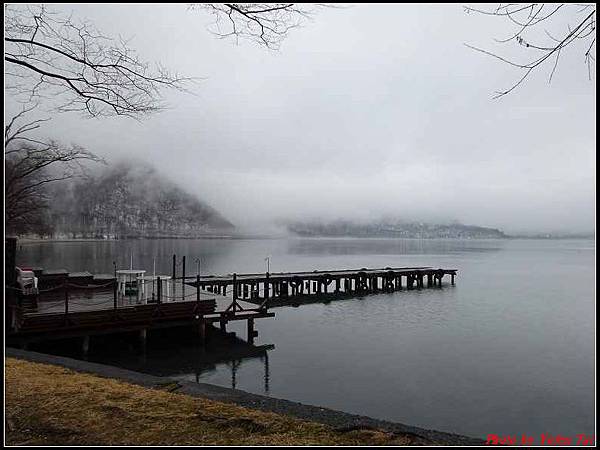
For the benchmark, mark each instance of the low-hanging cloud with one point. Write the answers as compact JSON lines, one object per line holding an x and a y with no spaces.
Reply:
{"x":367,"y":111}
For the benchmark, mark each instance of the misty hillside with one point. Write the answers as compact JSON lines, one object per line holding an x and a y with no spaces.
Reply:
{"x":130,"y":201}
{"x":393,"y":229}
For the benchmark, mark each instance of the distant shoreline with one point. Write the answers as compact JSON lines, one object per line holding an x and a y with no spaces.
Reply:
{"x":29,"y":240}
{"x":141,"y":238}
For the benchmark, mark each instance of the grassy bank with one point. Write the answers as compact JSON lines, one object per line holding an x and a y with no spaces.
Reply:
{"x":48,"y":405}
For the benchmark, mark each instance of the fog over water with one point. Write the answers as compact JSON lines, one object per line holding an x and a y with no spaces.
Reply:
{"x":365,"y":111}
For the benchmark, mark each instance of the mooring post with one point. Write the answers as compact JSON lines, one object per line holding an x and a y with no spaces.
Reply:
{"x":174,"y":262}
{"x":115,"y":295}
{"x":235,"y":297}
{"x":158,"y":290}
{"x":183,"y":279}
{"x":198,"y":288}
{"x":266,"y":293}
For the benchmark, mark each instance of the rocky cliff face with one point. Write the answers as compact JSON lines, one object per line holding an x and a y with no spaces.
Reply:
{"x":130,"y":201}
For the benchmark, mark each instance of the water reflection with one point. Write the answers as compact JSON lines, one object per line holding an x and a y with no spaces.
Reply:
{"x":230,"y":359}
{"x":390,"y":246}
{"x":175,"y":353}
{"x":508,"y":350}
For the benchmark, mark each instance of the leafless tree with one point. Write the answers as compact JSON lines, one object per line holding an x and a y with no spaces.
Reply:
{"x":48,"y":53}
{"x":265,"y":23}
{"x":543,"y":31}
{"x":30,"y":165}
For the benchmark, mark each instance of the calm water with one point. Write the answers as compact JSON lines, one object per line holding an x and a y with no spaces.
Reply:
{"x":509,"y":349}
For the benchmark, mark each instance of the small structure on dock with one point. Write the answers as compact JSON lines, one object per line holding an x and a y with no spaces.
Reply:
{"x":130,"y":282}
{"x":155,"y":288}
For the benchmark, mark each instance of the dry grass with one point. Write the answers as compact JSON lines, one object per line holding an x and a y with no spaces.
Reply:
{"x":51,"y":405}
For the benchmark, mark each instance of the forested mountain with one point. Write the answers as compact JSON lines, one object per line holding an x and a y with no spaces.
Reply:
{"x":393,"y":229}
{"x":127,"y":200}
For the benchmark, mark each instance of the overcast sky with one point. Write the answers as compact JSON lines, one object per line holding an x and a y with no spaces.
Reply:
{"x":365,"y":111}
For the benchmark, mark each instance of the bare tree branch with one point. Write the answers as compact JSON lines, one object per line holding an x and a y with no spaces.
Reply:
{"x":265,"y":23}
{"x":577,"y":21}
{"x":48,"y":54}
{"x":30,"y":164}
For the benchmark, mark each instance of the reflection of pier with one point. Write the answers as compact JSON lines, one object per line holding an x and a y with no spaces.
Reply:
{"x":170,"y":352}
{"x":236,"y":363}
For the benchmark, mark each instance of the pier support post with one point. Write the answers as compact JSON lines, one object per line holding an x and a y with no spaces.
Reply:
{"x":452,"y":279}
{"x":115,"y":295}
{"x":85,"y":345}
{"x":158,"y":290}
{"x":202,"y":330}
{"x":266,"y":287}
{"x":234,"y":289}
{"x":198,"y":289}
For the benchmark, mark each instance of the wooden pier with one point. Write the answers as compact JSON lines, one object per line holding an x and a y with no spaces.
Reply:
{"x":71,"y":310}
{"x":276,"y":289}
{"x":81,"y":304}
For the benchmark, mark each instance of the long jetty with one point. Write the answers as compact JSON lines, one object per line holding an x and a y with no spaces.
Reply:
{"x":282,"y":288}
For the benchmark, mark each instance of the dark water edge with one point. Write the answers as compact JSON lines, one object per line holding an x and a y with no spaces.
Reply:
{"x":509,"y":349}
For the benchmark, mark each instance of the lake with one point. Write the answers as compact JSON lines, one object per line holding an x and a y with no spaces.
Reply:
{"x":509,"y":350}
